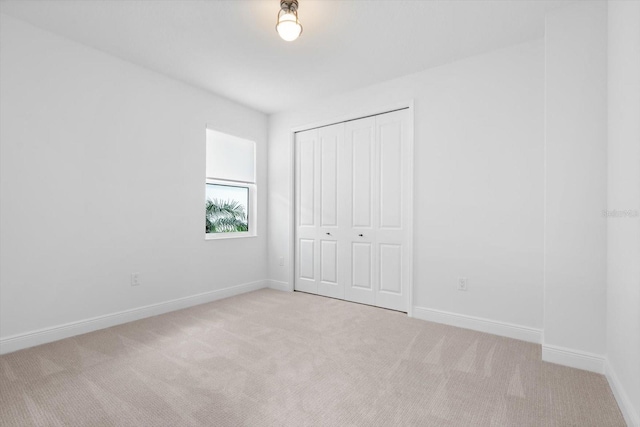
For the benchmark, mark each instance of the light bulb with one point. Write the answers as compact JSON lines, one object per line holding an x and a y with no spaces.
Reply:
{"x":288,"y":26}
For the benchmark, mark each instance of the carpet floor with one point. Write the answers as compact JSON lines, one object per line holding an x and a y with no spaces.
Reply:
{"x":270,"y":358}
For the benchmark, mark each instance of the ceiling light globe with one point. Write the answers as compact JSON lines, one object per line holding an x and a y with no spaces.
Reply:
{"x":288,"y":27}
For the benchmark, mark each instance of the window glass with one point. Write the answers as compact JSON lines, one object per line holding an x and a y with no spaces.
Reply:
{"x":227,"y":208}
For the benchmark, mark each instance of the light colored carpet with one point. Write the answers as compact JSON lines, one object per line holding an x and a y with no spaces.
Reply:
{"x":270,"y":358}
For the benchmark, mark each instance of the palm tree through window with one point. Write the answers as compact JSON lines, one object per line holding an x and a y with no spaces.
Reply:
{"x":226,"y":209}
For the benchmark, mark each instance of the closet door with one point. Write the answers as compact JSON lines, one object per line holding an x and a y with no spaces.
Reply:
{"x":393,"y":210}
{"x":306,"y":268}
{"x":377,"y":186}
{"x":320,"y":264}
{"x":359,"y":198}
{"x":353,"y":208}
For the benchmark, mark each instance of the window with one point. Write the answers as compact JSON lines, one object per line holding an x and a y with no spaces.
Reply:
{"x":230,"y":189}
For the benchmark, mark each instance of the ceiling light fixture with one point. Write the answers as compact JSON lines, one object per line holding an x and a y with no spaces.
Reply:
{"x":288,"y":25}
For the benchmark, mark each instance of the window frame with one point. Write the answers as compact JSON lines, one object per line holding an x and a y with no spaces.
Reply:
{"x":251,"y":209}
{"x":252,"y":202}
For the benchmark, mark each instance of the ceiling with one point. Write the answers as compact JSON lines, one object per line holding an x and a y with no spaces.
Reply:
{"x":231,"y":47}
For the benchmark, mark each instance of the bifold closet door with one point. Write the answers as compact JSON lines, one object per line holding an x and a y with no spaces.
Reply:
{"x":352,"y":188}
{"x":378,"y":157}
{"x":359,"y":186}
{"x":392,"y":210}
{"x":320,"y":255}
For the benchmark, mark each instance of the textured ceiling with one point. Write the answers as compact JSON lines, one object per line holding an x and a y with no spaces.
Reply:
{"x":231,"y":47}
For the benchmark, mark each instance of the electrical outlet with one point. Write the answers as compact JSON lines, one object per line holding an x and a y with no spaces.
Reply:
{"x":462,"y":284}
{"x":281,"y":261}
{"x":135,"y":279}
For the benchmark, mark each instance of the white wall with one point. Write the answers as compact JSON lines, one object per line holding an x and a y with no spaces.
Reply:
{"x":102,"y":175}
{"x":478,"y":180}
{"x":623,"y":245}
{"x":576,"y":179}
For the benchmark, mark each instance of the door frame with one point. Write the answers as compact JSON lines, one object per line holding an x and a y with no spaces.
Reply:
{"x":409,"y":105}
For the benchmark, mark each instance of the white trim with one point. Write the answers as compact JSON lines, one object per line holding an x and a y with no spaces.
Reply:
{"x":55,"y":333}
{"x":503,"y":329}
{"x":279,"y":285}
{"x":234,"y":235}
{"x":292,"y":210}
{"x":628,"y":412}
{"x":573,"y":358}
{"x":411,"y":206}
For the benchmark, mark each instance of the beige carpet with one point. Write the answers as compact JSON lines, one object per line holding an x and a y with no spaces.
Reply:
{"x":272,"y":358}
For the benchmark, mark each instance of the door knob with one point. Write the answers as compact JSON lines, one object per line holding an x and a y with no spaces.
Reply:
{"x":361,"y":235}
{"x":328,"y":234}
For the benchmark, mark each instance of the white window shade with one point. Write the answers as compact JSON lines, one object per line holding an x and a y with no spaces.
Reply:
{"x":230,"y":158}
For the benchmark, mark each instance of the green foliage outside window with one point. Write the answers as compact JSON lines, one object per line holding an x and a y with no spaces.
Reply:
{"x":225,"y":216}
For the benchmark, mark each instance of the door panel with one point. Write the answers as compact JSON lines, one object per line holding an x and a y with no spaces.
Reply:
{"x":393,"y":237}
{"x":306,"y":259}
{"x":358,"y":195}
{"x":306,"y":235}
{"x":330,"y":284}
{"x":390,"y":174}
{"x":361,"y":140}
{"x":390,"y":268}
{"x":306,"y":266}
{"x":361,"y":257}
{"x":329,"y":261}
{"x":317,"y":210}
{"x":306,"y":150}
{"x":328,"y":180}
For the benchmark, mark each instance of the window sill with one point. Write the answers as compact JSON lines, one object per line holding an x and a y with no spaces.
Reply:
{"x":223,"y":236}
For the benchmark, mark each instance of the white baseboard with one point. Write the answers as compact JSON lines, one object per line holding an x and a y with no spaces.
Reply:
{"x":279,"y":285}
{"x":503,"y":329}
{"x":630,"y":415}
{"x":573,"y":358}
{"x":42,"y":336}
